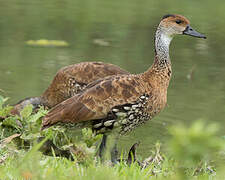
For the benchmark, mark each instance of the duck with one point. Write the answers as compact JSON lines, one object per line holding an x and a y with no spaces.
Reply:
{"x":68,"y":81}
{"x":115,"y":105}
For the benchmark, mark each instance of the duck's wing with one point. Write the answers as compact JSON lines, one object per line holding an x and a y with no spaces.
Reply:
{"x":72,"y":79}
{"x":97,"y":101}
{"x":87,"y":72}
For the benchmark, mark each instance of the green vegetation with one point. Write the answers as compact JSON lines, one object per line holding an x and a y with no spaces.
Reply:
{"x":193,"y":153}
{"x":121,"y":33}
{"x":47,"y":43}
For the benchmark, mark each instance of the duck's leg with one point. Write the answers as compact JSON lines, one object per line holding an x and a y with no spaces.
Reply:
{"x":132,"y":154}
{"x":108,"y":148}
{"x":114,"y":152}
{"x":102,"y":146}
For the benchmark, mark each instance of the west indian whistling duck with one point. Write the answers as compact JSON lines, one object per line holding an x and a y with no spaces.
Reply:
{"x":69,"y":81}
{"x":116,"y":105}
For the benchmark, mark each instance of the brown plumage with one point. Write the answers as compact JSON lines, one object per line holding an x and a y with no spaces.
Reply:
{"x":69,"y":81}
{"x":125,"y":101}
{"x":101,"y":101}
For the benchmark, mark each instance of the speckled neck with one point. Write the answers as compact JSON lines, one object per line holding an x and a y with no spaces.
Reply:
{"x":160,"y":70}
{"x":162,"y":43}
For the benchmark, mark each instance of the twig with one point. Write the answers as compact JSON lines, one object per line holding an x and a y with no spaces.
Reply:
{"x":8,"y":139}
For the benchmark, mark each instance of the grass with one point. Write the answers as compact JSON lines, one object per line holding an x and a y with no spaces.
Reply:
{"x":194,"y":152}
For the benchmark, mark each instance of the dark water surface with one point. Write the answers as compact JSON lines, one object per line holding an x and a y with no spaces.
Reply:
{"x":197,"y":89}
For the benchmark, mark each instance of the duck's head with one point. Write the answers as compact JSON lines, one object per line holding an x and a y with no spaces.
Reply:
{"x":173,"y":24}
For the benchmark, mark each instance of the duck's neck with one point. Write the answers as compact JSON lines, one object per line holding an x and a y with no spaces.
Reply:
{"x":162,"y":43}
{"x":161,"y":68}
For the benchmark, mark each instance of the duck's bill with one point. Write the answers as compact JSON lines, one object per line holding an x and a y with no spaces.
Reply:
{"x":191,"y":32}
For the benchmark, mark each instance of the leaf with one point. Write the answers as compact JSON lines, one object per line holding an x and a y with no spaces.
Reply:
{"x":26,"y":112}
{"x":2,"y":101}
{"x":41,"y":112}
{"x":11,"y":121}
{"x":190,"y":145}
{"x":89,"y":138}
{"x":5,"y":111}
{"x":47,"y":43}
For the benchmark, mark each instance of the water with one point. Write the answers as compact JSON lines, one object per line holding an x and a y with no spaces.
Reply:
{"x":128,"y":27}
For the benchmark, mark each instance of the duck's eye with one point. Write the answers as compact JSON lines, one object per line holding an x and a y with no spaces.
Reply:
{"x":178,"y":21}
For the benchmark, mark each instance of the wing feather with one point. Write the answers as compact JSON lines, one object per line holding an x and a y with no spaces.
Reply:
{"x":97,"y":101}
